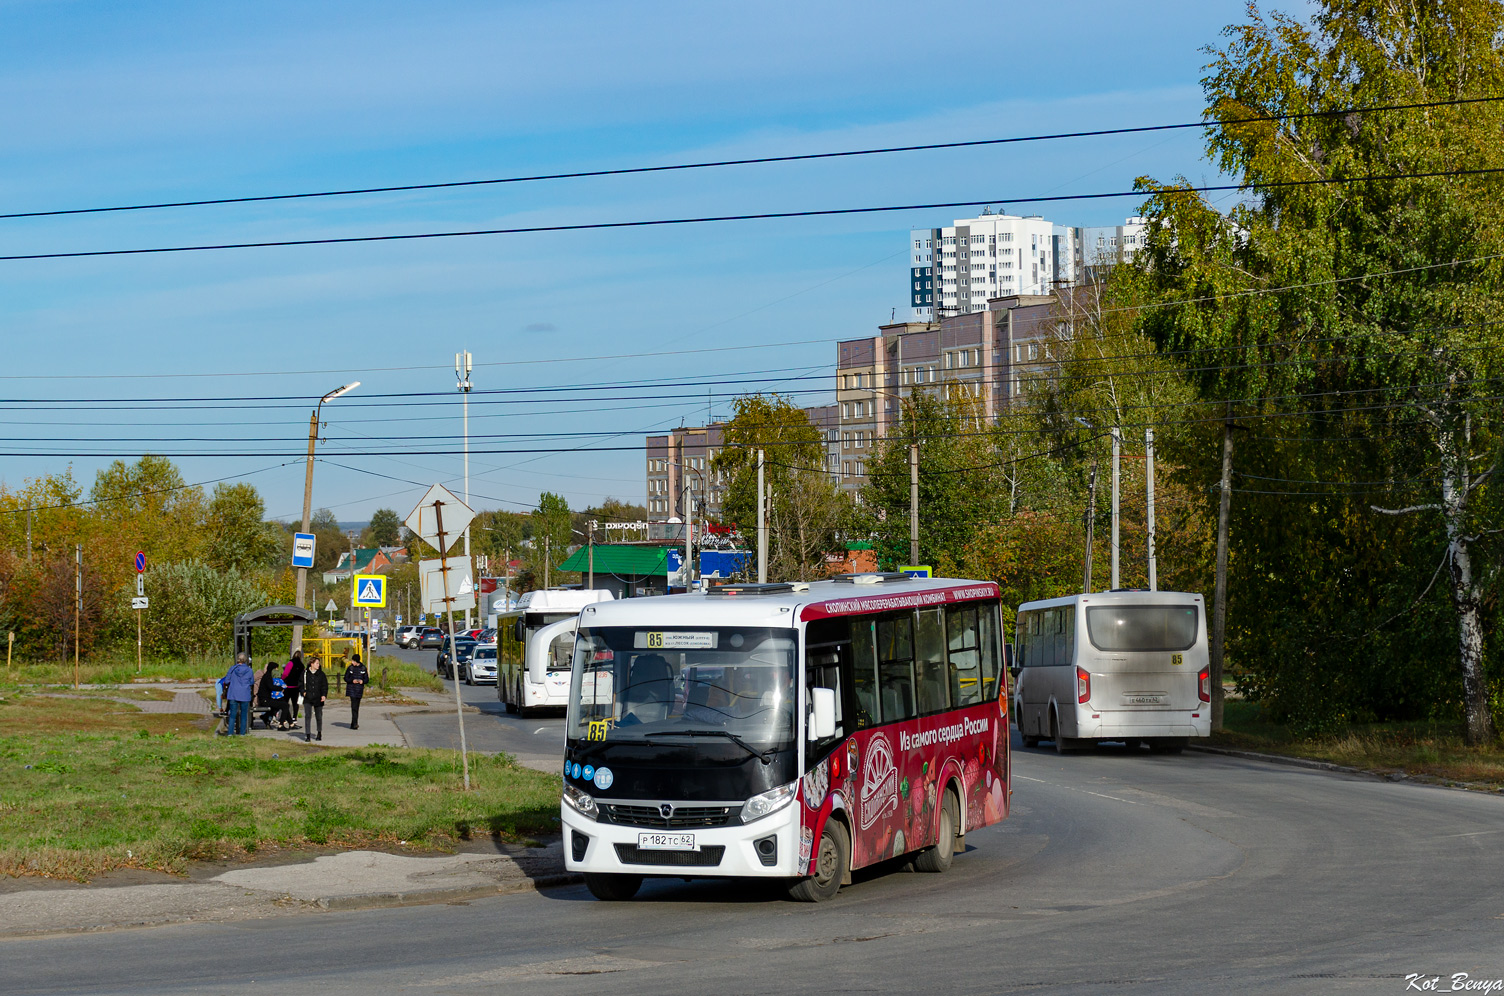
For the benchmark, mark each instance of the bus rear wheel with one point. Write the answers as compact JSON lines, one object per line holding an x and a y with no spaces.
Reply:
{"x":612,"y":888}
{"x":831,"y":862}
{"x":939,"y":857}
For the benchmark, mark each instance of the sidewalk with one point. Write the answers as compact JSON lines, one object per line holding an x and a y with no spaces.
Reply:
{"x":349,"y":880}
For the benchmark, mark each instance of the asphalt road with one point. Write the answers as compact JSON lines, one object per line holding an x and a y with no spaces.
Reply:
{"x":1115,"y":873}
{"x":537,"y":741}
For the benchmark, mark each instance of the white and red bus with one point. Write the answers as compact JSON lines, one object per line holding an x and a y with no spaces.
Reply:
{"x":785,"y":731}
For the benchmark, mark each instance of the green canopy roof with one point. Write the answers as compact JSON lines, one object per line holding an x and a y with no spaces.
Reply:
{"x":620,"y":560}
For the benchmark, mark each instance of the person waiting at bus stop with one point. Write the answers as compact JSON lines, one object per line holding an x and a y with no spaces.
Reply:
{"x":292,"y":675}
{"x":356,"y":677}
{"x":315,"y":691}
{"x":238,"y":683}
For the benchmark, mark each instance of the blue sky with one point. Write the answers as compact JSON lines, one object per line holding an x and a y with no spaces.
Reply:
{"x":123,"y":103}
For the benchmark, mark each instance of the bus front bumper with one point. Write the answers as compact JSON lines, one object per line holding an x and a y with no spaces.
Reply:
{"x":720,"y":852}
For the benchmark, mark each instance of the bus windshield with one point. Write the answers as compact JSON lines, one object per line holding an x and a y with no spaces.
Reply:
{"x":646,"y":684}
{"x":1142,"y":627}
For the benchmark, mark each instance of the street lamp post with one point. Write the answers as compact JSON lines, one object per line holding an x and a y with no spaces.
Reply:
{"x":313,"y":435}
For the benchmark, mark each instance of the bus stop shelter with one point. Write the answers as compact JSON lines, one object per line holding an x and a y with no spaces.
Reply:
{"x":270,"y":615}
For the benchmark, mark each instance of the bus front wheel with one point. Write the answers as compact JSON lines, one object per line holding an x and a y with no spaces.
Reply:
{"x":831,"y":862}
{"x":939,"y":857}
{"x":612,"y":888}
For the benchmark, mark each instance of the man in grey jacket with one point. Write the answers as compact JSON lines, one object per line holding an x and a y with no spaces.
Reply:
{"x":238,"y":684}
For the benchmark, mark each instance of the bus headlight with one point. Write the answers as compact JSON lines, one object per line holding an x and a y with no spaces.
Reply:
{"x":767,"y":802}
{"x":582,"y":801}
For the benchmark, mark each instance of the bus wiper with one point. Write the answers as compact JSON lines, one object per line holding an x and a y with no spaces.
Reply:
{"x":765,"y":756}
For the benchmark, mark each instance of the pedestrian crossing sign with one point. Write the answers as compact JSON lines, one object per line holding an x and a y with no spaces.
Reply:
{"x":370,"y":591}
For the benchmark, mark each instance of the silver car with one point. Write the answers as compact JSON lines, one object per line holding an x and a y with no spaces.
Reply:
{"x":480,"y":669}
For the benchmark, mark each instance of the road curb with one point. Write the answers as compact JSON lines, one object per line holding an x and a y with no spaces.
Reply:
{"x":428,"y":897}
{"x":1383,"y":776}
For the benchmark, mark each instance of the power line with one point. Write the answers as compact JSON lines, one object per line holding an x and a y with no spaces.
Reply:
{"x":140,"y":494}
{"x":752,"y":216}
{"x":754,"y":161}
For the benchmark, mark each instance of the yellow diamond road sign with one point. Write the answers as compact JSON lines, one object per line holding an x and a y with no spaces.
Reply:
{"x":370,"y":591}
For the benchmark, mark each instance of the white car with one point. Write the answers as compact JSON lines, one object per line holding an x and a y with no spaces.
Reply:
{"x":480,"y":669}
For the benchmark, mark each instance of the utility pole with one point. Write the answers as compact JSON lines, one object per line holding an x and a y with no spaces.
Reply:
{"x":1149,"y":482}
{"x":1219,"y":608}
{"x":689,"y":526}
{"x":546,"y":557}
{"x":1117,"y":455}
{"x":591,"y":542}
{"x":462,"y":374}
{"x":1091,"y":522}
{"x":28,"y":534}
{"x":78,"y":602}
{"x":762,"y":532}
{"x":913,"y":503}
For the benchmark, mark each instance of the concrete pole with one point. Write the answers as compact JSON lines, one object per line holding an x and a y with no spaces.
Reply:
{"x":914,"y":503}
{"x":547,"y":556}
{"x":78,"y":602}
{"x":313,"y":432}
{"x":591,"y":583}
{"x":462,"y":369}
{"x":1091,"y":524}
{"x":1149,"y":483}
{"x":1117,"y":455}
{"x":689,"y":526}
{"x":762,"y":521}
{"x":1219,"y":606}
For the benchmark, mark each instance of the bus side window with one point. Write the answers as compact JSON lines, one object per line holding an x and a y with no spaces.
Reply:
{"x":895,"y":666}
{"x":965,"y":660}
{"x":1021,"y":639}
{"x":1036,"y":640}
{"x":864,"y":673}
{"x":929,"y":663}
{"x":988,"y":650}
{"x":1069,"y":619}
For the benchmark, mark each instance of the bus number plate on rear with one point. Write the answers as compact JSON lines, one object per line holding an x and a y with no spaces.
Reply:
{"x":667,"y":842}
{"x":1143,"y":699}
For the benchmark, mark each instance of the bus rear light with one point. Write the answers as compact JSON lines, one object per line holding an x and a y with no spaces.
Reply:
{"x":1083,"y":685}
{"x":1204,"y":684}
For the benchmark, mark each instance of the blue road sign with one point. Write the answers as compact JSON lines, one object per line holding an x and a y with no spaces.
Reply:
{"x":302,"y":549}
{"x":140,"y":561}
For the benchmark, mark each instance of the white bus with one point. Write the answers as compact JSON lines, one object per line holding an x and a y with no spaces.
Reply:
{"x":790,"y":732}
{"x":534,"y":642}
{"x":1128,"y":666}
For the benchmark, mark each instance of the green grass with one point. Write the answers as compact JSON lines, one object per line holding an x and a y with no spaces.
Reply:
{"x":402,"y":674}
{"x":91,"y":785}
{"x":1424,"y":748}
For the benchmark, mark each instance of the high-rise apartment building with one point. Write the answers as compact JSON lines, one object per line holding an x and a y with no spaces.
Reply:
{"x":957,"y":269}
{"x":1103,"y":247}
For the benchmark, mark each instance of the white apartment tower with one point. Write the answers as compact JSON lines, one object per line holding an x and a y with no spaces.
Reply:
{"x":956,"y":270}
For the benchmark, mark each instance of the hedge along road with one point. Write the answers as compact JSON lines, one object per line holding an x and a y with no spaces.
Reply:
{"x":1115,"y":873}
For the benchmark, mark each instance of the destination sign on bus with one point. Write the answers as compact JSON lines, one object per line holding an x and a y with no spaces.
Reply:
{"x":674,"y":640}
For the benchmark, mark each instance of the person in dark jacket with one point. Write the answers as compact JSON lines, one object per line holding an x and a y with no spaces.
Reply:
{"x":264,"y":700}
{"x":292,"y":674}
{"x":315,"y":691}
{"x":356,"y":677}
{"x":237,"y":683}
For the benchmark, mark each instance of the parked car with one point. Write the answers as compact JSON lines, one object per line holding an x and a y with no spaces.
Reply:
{"x":463,"y":648}
{"x":431,"y":638}
{"x":480,"y":669}
{"x":407,"y":636}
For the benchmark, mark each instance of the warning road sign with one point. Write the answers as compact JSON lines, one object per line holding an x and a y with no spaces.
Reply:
{"x":369,"y":591}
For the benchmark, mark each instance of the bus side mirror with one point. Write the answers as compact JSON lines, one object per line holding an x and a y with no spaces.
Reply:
{"x":1014,"y":670}
{"x":517,"y":629}
{"x":822,"y":719}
